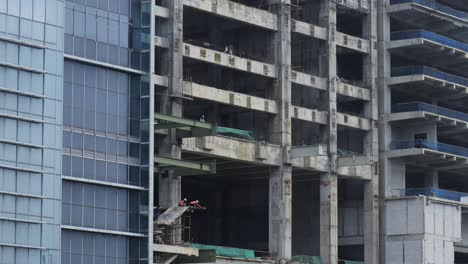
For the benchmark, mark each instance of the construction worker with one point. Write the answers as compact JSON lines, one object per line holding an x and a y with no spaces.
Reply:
{"x":195,"y":203}
{"x":183,"y":202}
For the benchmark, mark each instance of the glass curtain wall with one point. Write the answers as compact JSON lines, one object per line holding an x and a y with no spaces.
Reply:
{"x":31,"y":66}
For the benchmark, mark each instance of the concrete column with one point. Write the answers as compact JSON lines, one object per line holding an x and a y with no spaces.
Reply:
{"x":280,"y":133}
{"x":391,"y":171}
{"x":329,"y":181}
{"x":171,"y":104}
{"x":371,"y":188}
{"x":431,"y":178}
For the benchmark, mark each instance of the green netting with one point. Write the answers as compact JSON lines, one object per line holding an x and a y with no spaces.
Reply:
{"x":352,"y":262}
{"x":228,"y":251}
{"x":306,"y":259}
{"x":233,"y":132}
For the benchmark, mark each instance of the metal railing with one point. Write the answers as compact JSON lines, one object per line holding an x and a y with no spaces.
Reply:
{"x":409,"y":34}
{"x":412,"y":70}
{"x":434,"y":5}
{"x":420,"y":106}
{"x":422,"y":143}
{"x":433,"y":192}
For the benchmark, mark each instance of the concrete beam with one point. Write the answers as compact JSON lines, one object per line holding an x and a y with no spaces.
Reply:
{"x":353,"y":91}
{"x":160,"y":80}
{"x":308,"y":80}
{"x":310,"y":115}
{"x":230,"y":98}
{"x":161,"y":42}
{"x":236,"y":11}
{"x":307,"y":29}
{"x":161,"y":11}
{"x":352,"y":42}
{"x":319,"y":163}
{"x":307,"y":151}
{"x":234,"y":149}
{"x":353,"y":121}
{"x":188,"y":251}
{"x":229,"y":61}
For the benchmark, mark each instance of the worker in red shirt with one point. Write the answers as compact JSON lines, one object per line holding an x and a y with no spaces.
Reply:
{"x":183,"y":202}
{"x":195,"y":203}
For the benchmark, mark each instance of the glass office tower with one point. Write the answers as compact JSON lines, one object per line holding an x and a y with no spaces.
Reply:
{"x":105,"y":150}
{"x":31,"y":66}
{"x":74,"y":140}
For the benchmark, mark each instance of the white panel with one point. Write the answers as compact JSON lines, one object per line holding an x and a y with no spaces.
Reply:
{"x":415,"y":216}
{"x":394,"y":252}
{"x":429,"y":251}
{"x":413,"y":251}
{"x":429,"y":219}
{"x":457,"y":223}
{"x":439,"y":219}
{"x":396,"y":217}
{"x":448,"y":221}
{"x":439,"y":251}
{"x":449,"y":257}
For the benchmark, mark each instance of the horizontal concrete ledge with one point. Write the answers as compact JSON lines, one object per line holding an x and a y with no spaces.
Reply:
{"x":235,"y":11}
{"x":307,"y":151}
{"x":160,"y":11}
{"x":352,"y":42}
{"x":433,"y":47}
{"x":246,"y":101}
{"x":307,"y":29}
{"x":230,"y":61}
{"x":310,"y":115}
{"x":234,"y":149}
{"x":361,"y":172}
{"x":102,"y":231}
{"x":161,"y":42}
{"x":424,"y":9}
{"x":427,"y":80}
{"x":353,"y":91}
{"x":311,"y":163}
{"x":405,"y":116}
{"x":21,"y":246}
{"x":226,"y":260}
{"x":309,"y":80}
{"x":353,"y":121}
{"x":179,"y":250}
{"x":160,"y":80}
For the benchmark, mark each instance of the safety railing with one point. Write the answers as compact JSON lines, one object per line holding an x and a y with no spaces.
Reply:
{"x":422,"y":143}
{"x":412,"y":70}
{"x":410,"y":34}
{"x":434,"y":5}
{"x":419,"y":106}
{"x":433,"y":192}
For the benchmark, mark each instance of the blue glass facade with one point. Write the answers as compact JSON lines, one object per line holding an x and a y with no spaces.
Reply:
{"x":105,"y":178}
{"x":31,"y":66}
{"x":73,"y":131}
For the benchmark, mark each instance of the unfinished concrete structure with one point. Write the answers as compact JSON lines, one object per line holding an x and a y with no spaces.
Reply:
{"x":281,"y":96}
{"x":422,"y":84}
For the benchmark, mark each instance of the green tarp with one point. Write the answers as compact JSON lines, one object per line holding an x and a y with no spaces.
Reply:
{"x":227,"y":251}
{"x":306,"y":259}
{"x":233,"y":132}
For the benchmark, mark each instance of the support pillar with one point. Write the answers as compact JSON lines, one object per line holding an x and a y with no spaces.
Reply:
{"x":171,"y":103}
{"x":280,"y":208}
{"x":371,"y":188}
{"x":431,"y":178}
{"x":329,"y":180}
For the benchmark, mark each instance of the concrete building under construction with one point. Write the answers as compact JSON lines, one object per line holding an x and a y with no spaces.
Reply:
{"x":300,"y":131}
